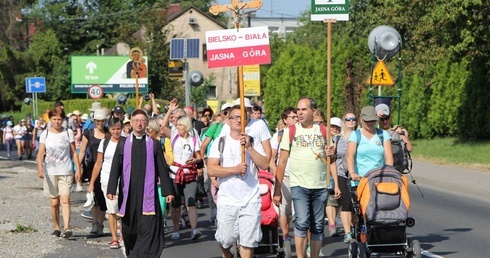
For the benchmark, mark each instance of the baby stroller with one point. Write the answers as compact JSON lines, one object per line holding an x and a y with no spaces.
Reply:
{"x":271,"y":243}
{"x":382,"y":209}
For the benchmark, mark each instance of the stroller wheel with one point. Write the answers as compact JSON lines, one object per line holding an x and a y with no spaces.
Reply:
{"x":416,"y":250}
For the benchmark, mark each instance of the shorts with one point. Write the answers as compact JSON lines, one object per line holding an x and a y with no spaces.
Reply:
{"x":56,"y":185}
{"x":234,"y":221}
{"x":345,"y":200}
{"x":188,"y":191}
{"x":331,"y":201}
{"x":111,"y":205}
{"x":285,"y":207}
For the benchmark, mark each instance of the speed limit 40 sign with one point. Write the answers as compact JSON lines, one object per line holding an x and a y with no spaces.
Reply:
{"x":95,"y":92}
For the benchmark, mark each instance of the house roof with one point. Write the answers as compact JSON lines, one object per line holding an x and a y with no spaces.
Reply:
{"x":174,"y":16}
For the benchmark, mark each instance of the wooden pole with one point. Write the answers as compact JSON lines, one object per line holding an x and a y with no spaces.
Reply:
{"x":136,"y":89}
{"x":329,"y":79}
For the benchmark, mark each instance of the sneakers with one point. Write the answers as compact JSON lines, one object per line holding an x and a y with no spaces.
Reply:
{"x":195,"y":234}
{"x":87,"y":214}
{"x":67,"y":233}
{"x":114,"y":244}
{"x":79,"y":188}
{"x":321,"y":254}
{"x":95,"y":229}
{"x":347,"y":237}
{"x":333,"y":230}
{"x":175,"y":236}
{"x":100,"y":230}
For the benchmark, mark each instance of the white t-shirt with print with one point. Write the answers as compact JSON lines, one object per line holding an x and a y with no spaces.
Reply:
{"x":183,"y":149}
{"x":107,"y":161}
{"x":58,"y":159}
{"x":237,"y":190}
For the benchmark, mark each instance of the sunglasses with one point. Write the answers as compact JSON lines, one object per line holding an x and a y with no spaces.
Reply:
{"x":349,"y":119}
{"x":148,"y":130}
{"x":385,"y":119}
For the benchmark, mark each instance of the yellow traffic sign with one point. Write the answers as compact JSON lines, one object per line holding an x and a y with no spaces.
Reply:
{"x":381,"y":75}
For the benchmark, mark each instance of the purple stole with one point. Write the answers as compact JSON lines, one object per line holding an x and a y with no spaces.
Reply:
{"x":150,"y":185}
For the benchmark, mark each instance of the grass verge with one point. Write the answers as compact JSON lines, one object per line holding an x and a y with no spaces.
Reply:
{"x":451,"y":151}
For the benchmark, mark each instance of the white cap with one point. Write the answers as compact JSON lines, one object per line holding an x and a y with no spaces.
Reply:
{"x":336,"y":121}
{"x":225,"y":106}
{"x":248,"y":104}
{"x":382,"y":109}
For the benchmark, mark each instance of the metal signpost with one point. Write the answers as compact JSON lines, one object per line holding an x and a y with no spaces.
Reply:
{"x":35,"y":85}
{"x":183,"y":49}
{"x":224,"y":57}
{"x":112,"y":73}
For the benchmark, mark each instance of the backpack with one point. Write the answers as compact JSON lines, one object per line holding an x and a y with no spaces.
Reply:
{"x":89,"y":160}
{"x":402,"y":160}
{"x":104,"y":147}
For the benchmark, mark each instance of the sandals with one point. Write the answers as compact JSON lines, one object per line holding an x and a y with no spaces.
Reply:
{"x":114,"y":244}
{"x":56,"y":233}
{"x":67,"y":233}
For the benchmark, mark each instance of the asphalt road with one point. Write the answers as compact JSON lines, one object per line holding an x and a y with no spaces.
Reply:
{"x":452,"y":220}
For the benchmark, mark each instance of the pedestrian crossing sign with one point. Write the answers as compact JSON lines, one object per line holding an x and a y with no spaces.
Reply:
{"x":380,"y":75}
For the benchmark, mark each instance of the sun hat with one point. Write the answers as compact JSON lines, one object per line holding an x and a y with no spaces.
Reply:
{"x":76,"y":112}
{"x":382,"y":109}
{"x":368,"y":114}
{"x":10,"y":123}
{"x":246,"y":100}
{"x":100,"y":114}
{"x":96,"y":106}
{"x":84,"y":116}
{"x":225,"y":106}
{"x":126,"y":121}
{"x":336,"y":121}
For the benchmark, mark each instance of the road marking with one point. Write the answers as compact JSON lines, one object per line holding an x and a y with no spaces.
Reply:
{"x":431,"y":255}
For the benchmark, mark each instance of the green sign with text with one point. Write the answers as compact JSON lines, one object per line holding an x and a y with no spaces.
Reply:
{"x":112,"y":73}
{"x":329,"y":9}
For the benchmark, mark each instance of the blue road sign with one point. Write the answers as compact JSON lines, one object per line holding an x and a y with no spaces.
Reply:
{"x":36,"y":85}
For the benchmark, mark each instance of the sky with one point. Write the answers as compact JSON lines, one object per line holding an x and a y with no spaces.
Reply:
{"x":277,"y":8}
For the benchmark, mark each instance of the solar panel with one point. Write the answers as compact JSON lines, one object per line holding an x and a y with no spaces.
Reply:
{"x":193,"y":48}
{"x":176,"y":49}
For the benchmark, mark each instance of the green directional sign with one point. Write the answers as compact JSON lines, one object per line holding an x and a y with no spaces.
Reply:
{"x":329,"y":9}
{"x":112,"y":73}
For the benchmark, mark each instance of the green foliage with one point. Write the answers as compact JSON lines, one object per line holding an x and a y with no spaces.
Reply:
{"x":24,"y":229}
{"x":445,"y":53}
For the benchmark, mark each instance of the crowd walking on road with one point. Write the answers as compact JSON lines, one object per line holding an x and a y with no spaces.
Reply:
{"x":147,"y":167}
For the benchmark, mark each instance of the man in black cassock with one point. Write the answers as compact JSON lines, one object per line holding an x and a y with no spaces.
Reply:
{"x":138,"y":165}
